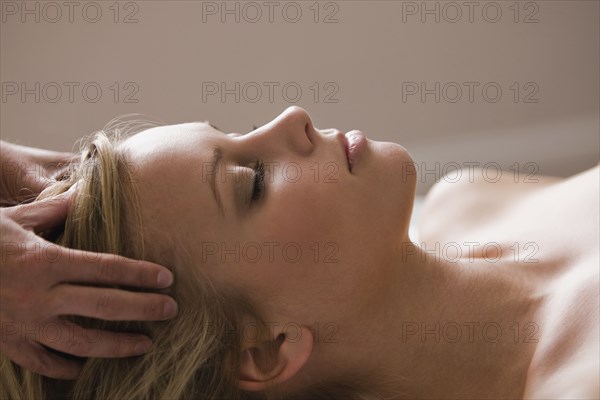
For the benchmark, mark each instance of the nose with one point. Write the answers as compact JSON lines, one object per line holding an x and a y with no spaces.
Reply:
{"x":297,"y":118}
{"x":292,"y":130}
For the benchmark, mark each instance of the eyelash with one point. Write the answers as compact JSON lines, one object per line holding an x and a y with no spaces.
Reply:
{"x":258,"y":187}
{"x":259,"y":181}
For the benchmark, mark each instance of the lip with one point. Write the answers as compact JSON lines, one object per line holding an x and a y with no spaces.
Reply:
{"x":356,"y":142}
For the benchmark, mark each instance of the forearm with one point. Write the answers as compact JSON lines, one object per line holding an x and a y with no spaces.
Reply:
{"x":11,"y":173}
{"x":26,"y":171}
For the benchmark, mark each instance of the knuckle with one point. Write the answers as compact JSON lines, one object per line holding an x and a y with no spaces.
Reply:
{"x":19,"y":214}
{"x":55,"y":302}
{"x":77,"y":346}
{"x":50,"y":256}
{"x":31,"y":301}
{"x":39,"y":366}
{"x":105,"y":306}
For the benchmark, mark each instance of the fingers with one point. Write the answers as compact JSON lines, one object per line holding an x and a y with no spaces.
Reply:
{"x":44,"y":156}
{"x":55,"y":158}
{"x":110,"y":269}
{"x":58,"y":164}
{"x":35,"y":358}
{"x":71,"y":338}
{"x":41,"y":215}
{"x":58,"y":172}
{"x":111,"y":304}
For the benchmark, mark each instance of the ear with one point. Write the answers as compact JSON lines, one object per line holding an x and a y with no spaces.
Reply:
{"x":270,"y":362}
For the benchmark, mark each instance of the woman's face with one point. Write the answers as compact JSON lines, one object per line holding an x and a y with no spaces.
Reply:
{"x":313,"y":247}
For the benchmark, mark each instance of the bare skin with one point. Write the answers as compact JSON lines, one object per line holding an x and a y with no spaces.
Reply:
{"x":36,"y":289}
{"x":396,"y":306}
{"x":558,"y":218}
{"x":410,"y":323}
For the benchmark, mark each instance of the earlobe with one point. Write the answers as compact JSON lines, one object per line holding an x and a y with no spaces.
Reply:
{"x":270,"y":363}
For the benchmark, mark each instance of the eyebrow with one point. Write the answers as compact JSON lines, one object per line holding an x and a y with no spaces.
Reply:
{"x":216,"y":165}
{"x":212,"y":125}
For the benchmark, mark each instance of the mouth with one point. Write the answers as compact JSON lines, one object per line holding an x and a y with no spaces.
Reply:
{"x":345,"y":148}
{"x":355,"y":144}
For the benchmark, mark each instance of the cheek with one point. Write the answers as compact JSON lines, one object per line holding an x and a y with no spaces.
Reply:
{"x":305,"y":212}
{"x":318,"y":230}
{"x":316,"y":247}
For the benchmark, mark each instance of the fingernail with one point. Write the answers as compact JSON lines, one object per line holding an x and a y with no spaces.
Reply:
{"x":142,"y":346}
{"x":169,"y":309}
{"x":164,"y":279}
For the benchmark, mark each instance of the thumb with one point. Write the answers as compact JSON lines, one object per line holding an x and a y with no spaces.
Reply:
{"x":42,"y":215}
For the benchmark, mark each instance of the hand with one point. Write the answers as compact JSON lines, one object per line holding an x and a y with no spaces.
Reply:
{"x":35,"y":291}
{"x":26,"y":171}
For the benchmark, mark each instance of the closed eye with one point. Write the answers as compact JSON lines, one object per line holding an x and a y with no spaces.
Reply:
{"x":254,"y":127}
{"x":258,"y":187}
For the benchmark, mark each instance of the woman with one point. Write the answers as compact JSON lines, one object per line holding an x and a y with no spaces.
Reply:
{"x":295,"y":276}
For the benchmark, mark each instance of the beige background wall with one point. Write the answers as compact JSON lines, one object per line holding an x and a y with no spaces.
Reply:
{"x":363,"y":56}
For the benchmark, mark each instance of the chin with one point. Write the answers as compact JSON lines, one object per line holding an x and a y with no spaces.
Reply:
{"x":396,"y":159}
{"x":395,"y":166}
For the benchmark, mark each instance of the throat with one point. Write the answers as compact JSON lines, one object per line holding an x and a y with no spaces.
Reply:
{"x":462,"y":330}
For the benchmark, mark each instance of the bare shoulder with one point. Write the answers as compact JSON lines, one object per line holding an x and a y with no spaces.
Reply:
{"x":476,"y":195}
{"x":566,"y":363}
{"x":579,"y":381}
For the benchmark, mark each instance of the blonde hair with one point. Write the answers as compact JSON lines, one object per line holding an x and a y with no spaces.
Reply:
{"x":194,"y":355}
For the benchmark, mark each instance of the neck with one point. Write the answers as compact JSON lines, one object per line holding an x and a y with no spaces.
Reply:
{"x":464,"y":329}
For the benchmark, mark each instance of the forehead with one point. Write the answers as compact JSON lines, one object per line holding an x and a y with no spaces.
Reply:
{"x":192,"y":138}
{"x":167,"y":172}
